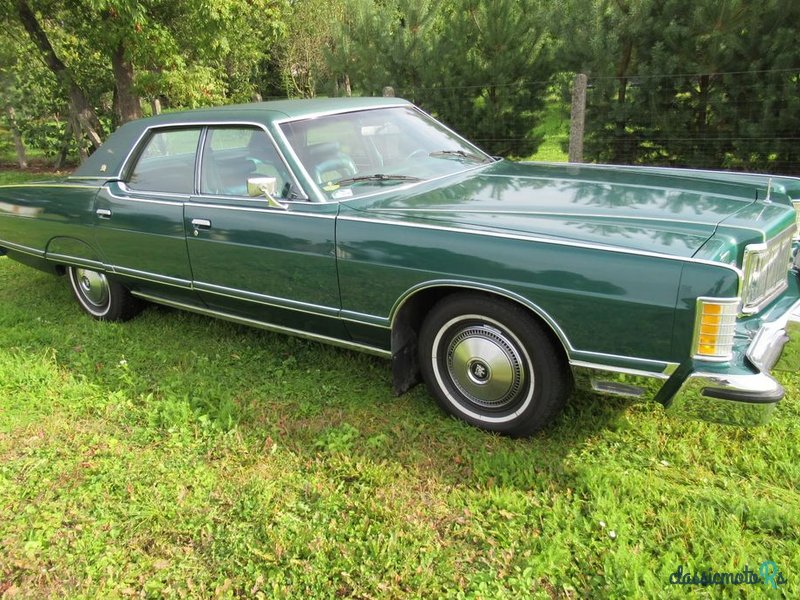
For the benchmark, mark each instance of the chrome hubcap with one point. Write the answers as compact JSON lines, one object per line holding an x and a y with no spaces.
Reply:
{"x":485,"y":366}
{"x":93,"y":286}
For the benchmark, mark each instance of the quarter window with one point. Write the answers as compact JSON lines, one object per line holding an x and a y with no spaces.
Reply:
{"x":166,"y":164}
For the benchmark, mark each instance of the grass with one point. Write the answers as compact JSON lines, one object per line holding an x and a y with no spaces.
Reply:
{"x":554,"y":127}
{"x":179,"y":456}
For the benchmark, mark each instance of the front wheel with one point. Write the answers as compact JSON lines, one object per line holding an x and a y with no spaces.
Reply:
{"x":488,"y":362}
{"x":100,"y":297}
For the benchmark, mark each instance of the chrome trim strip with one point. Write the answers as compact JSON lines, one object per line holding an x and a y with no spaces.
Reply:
{"x":23,"y":249}
{"x":667,"y":368}
{"x":75,"y":260}
{"x":52,"y":185}
{"x":615,"y":381}
{"x":265,"y":208}
{"x":145,"y":200}
{"x":328,"y":113}
{"x":535,"y":213}
{"x":268,"y":326}
{"x":620,"y":184}
{"x":621,"y":370}
{"x":543,"y":240}
{"x":283,"y":303}
{"x":152,"y":277}
{"x":364,"y":319}
{"x":408,"y":294}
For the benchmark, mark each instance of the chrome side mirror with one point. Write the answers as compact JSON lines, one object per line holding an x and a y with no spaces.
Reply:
{"x":267,"y":187}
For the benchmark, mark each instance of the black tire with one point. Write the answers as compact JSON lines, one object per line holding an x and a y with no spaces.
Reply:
{"x":488,"y":362}
{"x":100,"y":297}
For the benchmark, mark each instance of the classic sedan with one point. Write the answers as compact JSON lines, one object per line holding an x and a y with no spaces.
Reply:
{"x":368,"y":224}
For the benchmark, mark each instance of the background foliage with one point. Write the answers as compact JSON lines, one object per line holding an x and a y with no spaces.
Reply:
{"x":704,"y":84}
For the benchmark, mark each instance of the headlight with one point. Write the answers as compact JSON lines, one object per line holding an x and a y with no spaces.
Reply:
{"x":796,"y":204}
{"x":766,"y":268}
{"x":714,"y":328}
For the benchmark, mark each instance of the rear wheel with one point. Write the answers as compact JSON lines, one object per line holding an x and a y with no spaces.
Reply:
{"x":488,"y":362}
{"x":100,"y":297}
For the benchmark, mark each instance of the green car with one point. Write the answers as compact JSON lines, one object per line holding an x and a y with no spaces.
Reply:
{"x":367,"y":224}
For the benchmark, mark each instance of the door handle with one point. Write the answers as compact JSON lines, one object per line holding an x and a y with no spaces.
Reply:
{"x":103,"y":213}
{"x":199,"y":224}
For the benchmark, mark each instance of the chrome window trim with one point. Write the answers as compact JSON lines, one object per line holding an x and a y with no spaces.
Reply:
{"x":125,"y":189}
{"x":199,"y":165}
{"x":126,"y":163}
{"x":543,"y":240}
{"x":268,"y":326}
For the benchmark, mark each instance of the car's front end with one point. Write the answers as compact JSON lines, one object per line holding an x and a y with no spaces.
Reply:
{"x":738,"y":342}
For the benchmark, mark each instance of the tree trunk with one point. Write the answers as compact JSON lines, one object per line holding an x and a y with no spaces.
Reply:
{"x":83,"y":111}
{"x":127,"y":103}
{"x":19,"y":145}
{"x":62,"y":153}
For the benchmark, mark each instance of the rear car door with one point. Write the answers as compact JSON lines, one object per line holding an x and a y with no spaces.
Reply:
{"x":139,"y":220}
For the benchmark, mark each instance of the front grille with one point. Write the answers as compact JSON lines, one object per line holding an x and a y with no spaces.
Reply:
{"x":766,"y":269}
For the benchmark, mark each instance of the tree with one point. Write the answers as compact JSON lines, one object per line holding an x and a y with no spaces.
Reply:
{"x":82,"y":114}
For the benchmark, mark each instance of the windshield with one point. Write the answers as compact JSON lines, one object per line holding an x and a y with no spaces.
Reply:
{"x":357,"y":153}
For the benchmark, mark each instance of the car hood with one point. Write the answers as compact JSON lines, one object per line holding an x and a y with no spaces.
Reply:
{"x":668,"y":211}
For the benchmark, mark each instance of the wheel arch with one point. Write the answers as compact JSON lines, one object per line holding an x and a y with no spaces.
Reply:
{"x":410,"y":310}
{"x":64,"y":251}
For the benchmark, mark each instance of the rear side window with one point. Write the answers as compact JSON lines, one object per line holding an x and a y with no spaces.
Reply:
{"x":166,"y":163}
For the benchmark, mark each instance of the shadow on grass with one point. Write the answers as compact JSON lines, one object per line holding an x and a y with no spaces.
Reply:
{"x":180,"y":369}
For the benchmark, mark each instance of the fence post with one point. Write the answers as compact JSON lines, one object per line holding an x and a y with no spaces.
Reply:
{"x":577,"y":118}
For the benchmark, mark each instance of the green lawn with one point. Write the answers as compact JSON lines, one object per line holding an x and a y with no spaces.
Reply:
{"x":175,"y":455}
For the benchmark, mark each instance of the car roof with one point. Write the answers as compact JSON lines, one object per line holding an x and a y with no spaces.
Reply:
{"x":108,"y":161}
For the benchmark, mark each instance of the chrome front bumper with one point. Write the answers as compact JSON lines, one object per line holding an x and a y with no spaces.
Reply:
{"x":745,"y":398}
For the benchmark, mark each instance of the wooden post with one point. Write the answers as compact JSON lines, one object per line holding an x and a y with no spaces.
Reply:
{"x":577,"y":118}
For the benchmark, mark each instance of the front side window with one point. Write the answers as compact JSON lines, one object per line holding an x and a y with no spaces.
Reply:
{"x":232,"y":155}
{"x":355,"y":153}
{"x":166,"y":163}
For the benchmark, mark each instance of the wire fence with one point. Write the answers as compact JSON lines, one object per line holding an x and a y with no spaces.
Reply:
{"x":736,"y":120}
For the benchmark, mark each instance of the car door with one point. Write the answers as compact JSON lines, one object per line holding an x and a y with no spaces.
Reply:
{"x":140,"y":219}
{"x":268,"y":263}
